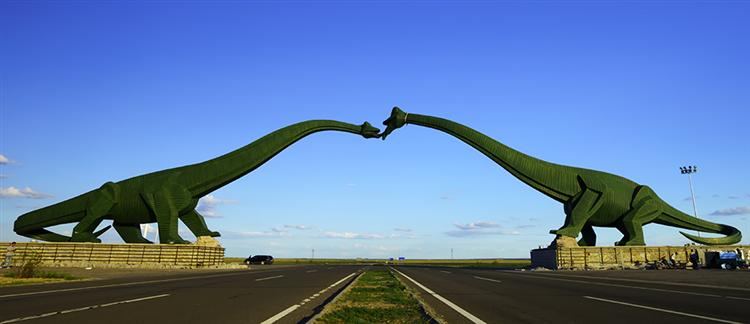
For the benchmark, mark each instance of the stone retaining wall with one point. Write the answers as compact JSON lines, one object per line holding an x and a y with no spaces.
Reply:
{"x":115,"y":255}
{"x":621,"y":257}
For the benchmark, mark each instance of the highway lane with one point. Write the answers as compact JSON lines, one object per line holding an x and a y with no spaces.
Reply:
{"x":572,"y":297}
{"x":228,"y":297}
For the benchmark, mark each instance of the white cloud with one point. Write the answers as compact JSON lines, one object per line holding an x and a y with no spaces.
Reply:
{"x":480,"y":233}
{"x":478,"y":229}
{"x":401,"y":229}
{"x":13,"y":192}
{"x":402,"y":236}
{"x":476,"y":225}
{"x":732,"y":211}
{"x":352,"y":236}
{"x":250,"y":234}
{"x":208,"y":204}
{"x":298,"y":227}
{"x":3,"y":159}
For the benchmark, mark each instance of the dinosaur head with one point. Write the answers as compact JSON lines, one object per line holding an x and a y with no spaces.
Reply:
{"x":369,"y":131}
{"x":396,"y":120}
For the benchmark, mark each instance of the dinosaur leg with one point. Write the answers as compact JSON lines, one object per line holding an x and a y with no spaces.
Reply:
{"x":632,"y":223}
{"x":162,"y":203}
{"x":130,"y":233}
{"x":197,"y":224}
{"x":98,"y":207}
{"x":588,"y":236}
{"x":584,"y":206}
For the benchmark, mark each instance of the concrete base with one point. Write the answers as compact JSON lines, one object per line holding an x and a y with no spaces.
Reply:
{"x":626,"y":257}
{"x":118,"y":255}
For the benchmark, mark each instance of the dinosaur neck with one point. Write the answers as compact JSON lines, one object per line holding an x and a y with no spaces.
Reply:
{"x":205,"y":177}
{"x":550,"y":179}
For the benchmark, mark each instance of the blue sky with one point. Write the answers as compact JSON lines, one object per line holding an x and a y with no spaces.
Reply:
{"x":103,"y":91}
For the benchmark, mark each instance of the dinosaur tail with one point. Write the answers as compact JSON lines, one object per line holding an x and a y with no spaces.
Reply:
{"x":673,"y":217}
{"x":32,"y":224}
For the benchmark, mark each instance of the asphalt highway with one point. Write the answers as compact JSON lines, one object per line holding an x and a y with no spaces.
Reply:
{"x":497,"y":296}
{"x":272,"y":294}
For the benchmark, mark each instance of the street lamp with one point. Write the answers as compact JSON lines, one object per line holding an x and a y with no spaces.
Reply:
{"x":689,"y":170}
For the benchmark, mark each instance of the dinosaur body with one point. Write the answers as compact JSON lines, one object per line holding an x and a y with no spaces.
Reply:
{"x":168,"y":195}
{"x":590,"y":198}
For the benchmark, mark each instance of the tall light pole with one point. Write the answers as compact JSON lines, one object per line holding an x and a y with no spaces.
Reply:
{"x":689,"y":170}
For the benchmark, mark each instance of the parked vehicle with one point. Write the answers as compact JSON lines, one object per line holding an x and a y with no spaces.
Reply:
{"x":259,"y":259}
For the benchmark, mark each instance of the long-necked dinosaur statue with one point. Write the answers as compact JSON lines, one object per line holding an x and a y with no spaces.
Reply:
{"x":168,"y":195}
{"x":591,"y":198}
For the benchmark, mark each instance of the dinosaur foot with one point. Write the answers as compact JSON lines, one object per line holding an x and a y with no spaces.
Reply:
{"x":175,"y":241}
{"x":565,"y":232}
{"x":636,"y":242}
{"x":85,"y":237}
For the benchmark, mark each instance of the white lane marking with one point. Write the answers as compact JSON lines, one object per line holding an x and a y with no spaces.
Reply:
{"x":662,"y":310}
{"x":443,"y":271}
{"x":455,"y":307}
{"x":642,"y":281}
{"x":269,"y":278}
{"x":286,"y":312}
{"x":622,"y":286}
{"x":131,"y":284}
{"x":487,"y":279}
{"x":310,"y":271}
{"x":278,"y":316}
{"x":21,"y":319}
{"x":740,"y":298}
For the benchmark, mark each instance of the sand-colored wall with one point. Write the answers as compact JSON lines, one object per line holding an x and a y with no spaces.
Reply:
{"x":130,"y":255}
{"x":620,"y":256}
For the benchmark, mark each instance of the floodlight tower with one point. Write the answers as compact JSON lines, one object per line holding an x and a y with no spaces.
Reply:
{"x":689,"y":170}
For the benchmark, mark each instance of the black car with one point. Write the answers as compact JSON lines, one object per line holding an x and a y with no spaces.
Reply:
{"x":259,"y":259}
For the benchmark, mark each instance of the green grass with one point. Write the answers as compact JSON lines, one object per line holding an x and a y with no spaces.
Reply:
{"x":480,"y":263}
{"x":483,"y":263}
{"x":376,"y":297}
{"x":44,"y":275}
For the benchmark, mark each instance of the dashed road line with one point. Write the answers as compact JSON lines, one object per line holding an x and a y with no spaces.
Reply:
{"x":487,"y":279}
{"x":130,"y":284}
{"x":450,"y":304}
{"x":278,"y":316}
{"x":67,"y":311}
{"x":269,"y":278}
{"x":662,"y":310}
{"x":639,"y":281}
{"x":310,"y":271}
{"x":549,"y":277}
{"x":292,"y":308}
{"x":443,"y":271}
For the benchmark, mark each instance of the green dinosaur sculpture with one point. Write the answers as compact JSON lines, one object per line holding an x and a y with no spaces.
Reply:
{"x":168,"y":195}
{"x":591,"y":198}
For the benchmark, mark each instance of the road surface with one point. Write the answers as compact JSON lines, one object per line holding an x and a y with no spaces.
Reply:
{"x":273,"y":294}
{"x":496,"y":296}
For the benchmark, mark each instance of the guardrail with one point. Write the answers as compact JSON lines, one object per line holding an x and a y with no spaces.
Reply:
{"x":167,"y":255}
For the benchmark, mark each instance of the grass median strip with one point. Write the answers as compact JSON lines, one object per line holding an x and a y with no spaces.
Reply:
{"x":376,"y":297}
